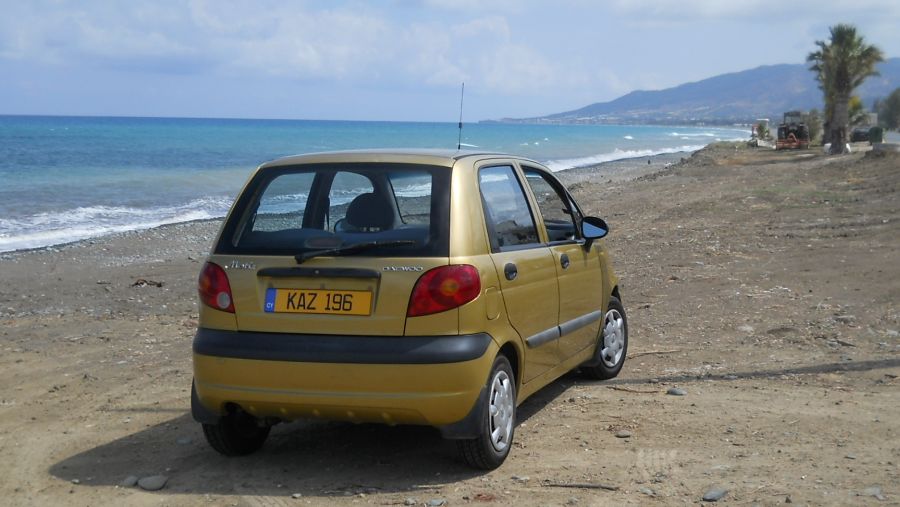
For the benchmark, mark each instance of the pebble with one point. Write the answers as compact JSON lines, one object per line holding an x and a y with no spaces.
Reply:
{"x":676,"y":391}
{"x":714,"y":494}
{"x":746,"y":329}
{"x":572,"y":501}
{"x":850,"y":456}
{"x":129,"y":482}
{"x":153,"y":482}
{"x":874,"y":491}
{"x":623,"y":434}
{"x":76,"y":481}
{"x":647,"y":491}
{"x":522,"y":479}
{"x":410,"y":501}
{"x":436,"y":502}
{"x":297,"y":495}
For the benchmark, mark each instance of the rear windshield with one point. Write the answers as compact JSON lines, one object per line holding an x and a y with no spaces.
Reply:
{"x":297,"y":209}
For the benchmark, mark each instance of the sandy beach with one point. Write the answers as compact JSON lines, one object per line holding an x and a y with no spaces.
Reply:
{"x":765,"y":285}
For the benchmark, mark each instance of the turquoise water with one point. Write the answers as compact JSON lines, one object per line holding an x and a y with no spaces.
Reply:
{"x":69,"y":178}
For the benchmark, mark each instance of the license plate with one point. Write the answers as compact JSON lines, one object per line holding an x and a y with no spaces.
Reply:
{"x":330,"y":302}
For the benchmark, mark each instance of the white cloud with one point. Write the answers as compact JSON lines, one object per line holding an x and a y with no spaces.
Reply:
{"x":525,"y":52}
{"x":771,"y":11}
{"x":337,"y":41}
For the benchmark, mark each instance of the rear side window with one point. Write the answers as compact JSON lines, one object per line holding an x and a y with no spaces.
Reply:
{"x":509,"y":219}
{"x":283,"y":203}
{"x":292,"y":210}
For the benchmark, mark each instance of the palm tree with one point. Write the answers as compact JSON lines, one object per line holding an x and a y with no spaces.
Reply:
{"x":841,"y":65}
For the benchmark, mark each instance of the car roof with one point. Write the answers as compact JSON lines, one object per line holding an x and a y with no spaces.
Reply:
{"x":436,"y":157}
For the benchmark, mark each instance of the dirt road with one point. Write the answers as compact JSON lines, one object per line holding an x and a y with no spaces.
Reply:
{"x":764,"y":286}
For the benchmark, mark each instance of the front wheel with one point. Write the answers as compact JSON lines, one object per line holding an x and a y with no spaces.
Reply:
{"x":236,"y":434}
{"x":612,"y":345}
{"x":490,"y":448}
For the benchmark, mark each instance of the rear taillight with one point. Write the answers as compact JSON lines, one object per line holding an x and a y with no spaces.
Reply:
{"x":444,"y":288}
{"x":215,"y":291}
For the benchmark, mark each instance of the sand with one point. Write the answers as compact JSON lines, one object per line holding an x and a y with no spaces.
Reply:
{"x":762,"y":284}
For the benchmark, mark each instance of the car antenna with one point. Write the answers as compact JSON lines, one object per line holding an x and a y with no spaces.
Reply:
{"x":462,"y":94}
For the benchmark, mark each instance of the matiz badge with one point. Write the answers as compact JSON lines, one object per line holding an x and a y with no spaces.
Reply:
{"x":235,"y":264}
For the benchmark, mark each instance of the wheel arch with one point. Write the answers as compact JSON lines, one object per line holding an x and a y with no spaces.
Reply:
{"x":512,"y":353}
{"x":615,"y":293}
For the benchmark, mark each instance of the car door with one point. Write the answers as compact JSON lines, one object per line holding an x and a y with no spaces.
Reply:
{"x":524,"y":266}
{"x":577,"y":268}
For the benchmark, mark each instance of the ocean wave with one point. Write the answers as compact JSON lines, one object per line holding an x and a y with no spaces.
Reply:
{"x":630,"y":138}
{"x":58,"y":227}
{"x":692,"y":134}
{"x":617,"y":154}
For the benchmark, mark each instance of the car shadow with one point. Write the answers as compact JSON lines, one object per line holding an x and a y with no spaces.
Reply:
{"x":312,"y":458}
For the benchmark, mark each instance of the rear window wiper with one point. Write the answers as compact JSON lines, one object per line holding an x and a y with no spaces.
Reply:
{"x":356,"y":247}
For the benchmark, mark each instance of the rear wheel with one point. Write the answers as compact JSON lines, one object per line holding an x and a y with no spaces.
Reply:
{"x":491,"y":447}
{"x":612,"y":345}
{"x":236,"y":434}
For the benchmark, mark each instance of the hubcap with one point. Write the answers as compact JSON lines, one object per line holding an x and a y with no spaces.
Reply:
{"x":501,"y":409}
{"x":613,"y":338}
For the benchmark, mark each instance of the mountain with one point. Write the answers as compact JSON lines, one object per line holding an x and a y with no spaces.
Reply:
{"x":739,"y":97}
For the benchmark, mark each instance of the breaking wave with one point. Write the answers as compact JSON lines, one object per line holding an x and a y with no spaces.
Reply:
{"x":54,"y":228}
{"x":617,"y":154}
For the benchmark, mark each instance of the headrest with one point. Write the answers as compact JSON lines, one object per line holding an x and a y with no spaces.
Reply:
{"x":370,"y":211}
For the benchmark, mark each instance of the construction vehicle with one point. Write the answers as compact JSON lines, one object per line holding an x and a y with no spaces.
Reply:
{"x":793,"y":133}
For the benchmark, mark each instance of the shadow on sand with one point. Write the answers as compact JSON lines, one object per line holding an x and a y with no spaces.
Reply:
{"x":312,"y":458}
{"x":319,"y":459}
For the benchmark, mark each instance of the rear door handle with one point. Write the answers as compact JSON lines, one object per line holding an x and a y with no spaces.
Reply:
{"x":510,"y":271}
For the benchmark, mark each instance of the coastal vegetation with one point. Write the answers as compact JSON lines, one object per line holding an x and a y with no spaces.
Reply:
{"x":889,"y":111}
{"x":813,"y":120}
{"x":841,"y":65}
{"x":856,"y":112}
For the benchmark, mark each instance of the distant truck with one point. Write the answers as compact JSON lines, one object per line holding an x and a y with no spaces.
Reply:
{"x":793,"y":133}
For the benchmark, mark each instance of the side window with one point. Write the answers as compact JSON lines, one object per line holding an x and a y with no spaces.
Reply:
{"x":506,"y":211}
{"x":412,"y":192}
{"x":555,"y":209}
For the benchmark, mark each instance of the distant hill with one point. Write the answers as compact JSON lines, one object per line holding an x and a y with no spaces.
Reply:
{"x":739,"y":97}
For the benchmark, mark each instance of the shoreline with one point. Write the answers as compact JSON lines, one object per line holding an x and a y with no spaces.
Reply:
{"x":625,"y":169}
{"x":614,"y":170}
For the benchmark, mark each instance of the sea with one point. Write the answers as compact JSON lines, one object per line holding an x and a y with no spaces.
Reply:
{"x":64,"y":179}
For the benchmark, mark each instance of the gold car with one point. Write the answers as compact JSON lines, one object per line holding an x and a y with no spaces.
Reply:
{"x":435,"y":288}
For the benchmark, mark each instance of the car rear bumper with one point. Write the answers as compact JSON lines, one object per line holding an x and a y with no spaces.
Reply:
{"x":430,"y":380}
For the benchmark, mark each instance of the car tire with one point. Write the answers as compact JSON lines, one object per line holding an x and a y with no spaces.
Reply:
{"x":612,"y":345}
{"x":491,"y":447}
{"x":236,"y":434}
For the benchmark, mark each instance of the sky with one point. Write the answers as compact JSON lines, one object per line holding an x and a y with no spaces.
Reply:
{"x":396,"y":60}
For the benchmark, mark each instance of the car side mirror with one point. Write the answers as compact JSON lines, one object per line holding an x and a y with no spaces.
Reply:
{"x":594,"y":228}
